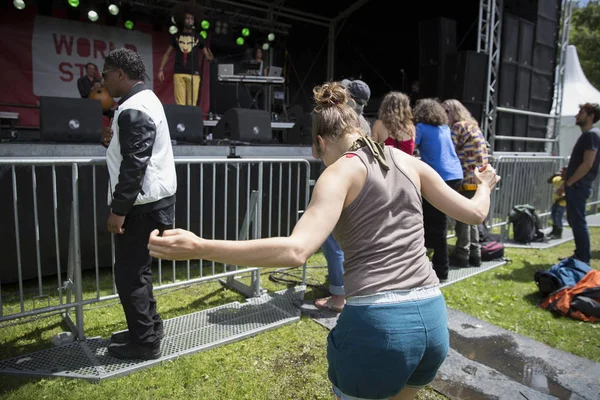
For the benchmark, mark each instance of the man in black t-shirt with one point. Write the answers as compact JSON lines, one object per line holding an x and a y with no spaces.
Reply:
{"x":186,"y":73}
{"x":579,"y":176}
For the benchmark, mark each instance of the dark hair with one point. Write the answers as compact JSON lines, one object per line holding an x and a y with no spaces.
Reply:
{"x":591,"y":109}
{"x":129,"y":61}
{"x":430,"y":112}
{"x":92,"y":64}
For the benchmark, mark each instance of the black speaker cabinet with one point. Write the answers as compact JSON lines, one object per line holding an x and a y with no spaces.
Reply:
{"x":507,"y":84}
{"x":466,"y":76}
{"x":185,"y":123}
{"x":437,"y":39}
{"x":301,"y":132}
{"x":71,"y":120}
{"x":510,"y":39}
{"x":244,"y":125}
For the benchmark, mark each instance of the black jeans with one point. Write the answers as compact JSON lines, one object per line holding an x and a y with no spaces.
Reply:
{"x":436,"y":230}
{"x":133,"y":277}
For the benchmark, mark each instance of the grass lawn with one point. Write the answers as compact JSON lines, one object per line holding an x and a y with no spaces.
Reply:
{"x":289,"y":362}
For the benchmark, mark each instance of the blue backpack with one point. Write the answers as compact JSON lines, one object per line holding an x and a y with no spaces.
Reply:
{"x":568,"y":272}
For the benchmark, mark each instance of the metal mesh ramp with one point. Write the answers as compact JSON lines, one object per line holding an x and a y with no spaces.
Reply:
{"x":184,"y":335}
{"x":593,"y":220}
{"x":567,"y":236}
{"x":458,"y":274}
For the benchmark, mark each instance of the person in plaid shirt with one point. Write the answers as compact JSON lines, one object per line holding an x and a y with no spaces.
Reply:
{"x":471,"y":149}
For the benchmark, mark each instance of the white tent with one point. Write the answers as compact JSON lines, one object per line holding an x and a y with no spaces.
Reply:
{"x":576,"y":90}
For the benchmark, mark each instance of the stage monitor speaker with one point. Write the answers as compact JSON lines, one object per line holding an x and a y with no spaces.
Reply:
{"x":70,"y":120}
{"x":466,"y":76}
{"x":185,"y":123}
{"x":437,"y":39}
{"x":244,"y":125}
{"x":301,"y":132}
{"x":476,"y":109}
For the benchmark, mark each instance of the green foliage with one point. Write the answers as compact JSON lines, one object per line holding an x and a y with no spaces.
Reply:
{"x":585,"y":36}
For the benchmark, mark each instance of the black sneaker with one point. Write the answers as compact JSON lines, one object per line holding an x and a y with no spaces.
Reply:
{"x":123,"y":336}
{"x":133,"y":351}
{"x":459,"y":262}
{"x":475,"y":261}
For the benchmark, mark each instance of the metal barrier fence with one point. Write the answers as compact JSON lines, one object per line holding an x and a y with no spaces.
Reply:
{"x":58,"y":255}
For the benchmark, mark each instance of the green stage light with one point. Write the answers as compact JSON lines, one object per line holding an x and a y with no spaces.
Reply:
{"x":245,"y":32}
{"x":128,"y":24}
{"x":203,"y":34}
{"x":271,"y":37}
{"x":113,"y":9}
{"x":74,"y":3}
{"x":205,"y":24}
{"x":19,"y":4}
{"x":173,"y":29}
{"x":240,"y":41}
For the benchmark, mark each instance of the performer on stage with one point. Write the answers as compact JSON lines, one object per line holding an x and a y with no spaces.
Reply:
{"x":186,"y":78}
{"x":90,"y":81}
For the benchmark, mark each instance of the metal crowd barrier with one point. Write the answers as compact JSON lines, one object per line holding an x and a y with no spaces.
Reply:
{"x":59,"y":257}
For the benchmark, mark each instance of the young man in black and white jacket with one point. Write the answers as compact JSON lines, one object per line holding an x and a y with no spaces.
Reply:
{"x":141,"y":197}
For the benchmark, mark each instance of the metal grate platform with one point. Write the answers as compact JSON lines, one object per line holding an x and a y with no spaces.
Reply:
{"x":593,"y":220}
{"x":458,"y":274}
{"x":567,"y":236}
{"x":184,"y":335}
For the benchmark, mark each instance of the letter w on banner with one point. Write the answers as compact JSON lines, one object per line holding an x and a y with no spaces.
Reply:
{"x":61,"y":48}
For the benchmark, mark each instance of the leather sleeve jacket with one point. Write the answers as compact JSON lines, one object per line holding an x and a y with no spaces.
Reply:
{"x":137,"y":132}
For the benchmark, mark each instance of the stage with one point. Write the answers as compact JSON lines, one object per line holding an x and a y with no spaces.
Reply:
{"x":69,"y":150}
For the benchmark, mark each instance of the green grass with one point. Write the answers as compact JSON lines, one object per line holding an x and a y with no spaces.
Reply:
{"x":289,"y":362}
{"x":507,"y":297}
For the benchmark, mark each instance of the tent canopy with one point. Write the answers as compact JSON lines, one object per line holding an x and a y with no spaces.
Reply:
{"x":577,"y":89}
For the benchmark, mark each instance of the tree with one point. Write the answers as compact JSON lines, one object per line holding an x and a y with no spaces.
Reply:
{"x":585,"y":36}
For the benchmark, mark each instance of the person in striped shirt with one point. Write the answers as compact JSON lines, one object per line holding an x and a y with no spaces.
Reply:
{"x":471,"y":149}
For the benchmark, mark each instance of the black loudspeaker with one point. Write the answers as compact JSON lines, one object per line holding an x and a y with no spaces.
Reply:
{"x":520,"y":128}
{"x":466,"y":76}
{"x":437,"y":39}
{"x":538,"y":126}
{"x":295,"y":113}
{"x":301,"y":132}
{"x":71,"y":120}
{"x":523,"y":88}
{"x":526,"y":39}
{"x":504,"y":127}
{"x":431,"y":80}
{"x":185,"y":123}
{"x":476,"y":109}
{"x":542,"y":85}
{"x":244,"y":125}
{"x":507,"y":84}
{"x":510,"y":41}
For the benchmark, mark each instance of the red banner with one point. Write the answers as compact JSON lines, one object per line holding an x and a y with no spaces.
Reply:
{"x":44,"y":56}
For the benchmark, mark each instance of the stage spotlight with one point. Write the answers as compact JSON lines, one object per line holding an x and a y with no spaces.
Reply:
{"x":128,"y":24}
{"x":246,"y":32}
{"x":204,"y":34}
{"x":74,"y":3}
{"x":205,"y":24}
{"x":19,"y":4}
{"x":92,"y":15}
{"x":113,"y":9}
{"x":239,"y":41}
{"x":173,"y":29}
{"x":265,"y":46}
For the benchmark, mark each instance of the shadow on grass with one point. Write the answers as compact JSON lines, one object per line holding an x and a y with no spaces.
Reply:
{"x":524,"y":274}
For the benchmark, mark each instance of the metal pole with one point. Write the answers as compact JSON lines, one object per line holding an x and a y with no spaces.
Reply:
{"x":78,"y":282}
{"x":331,"y":52}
